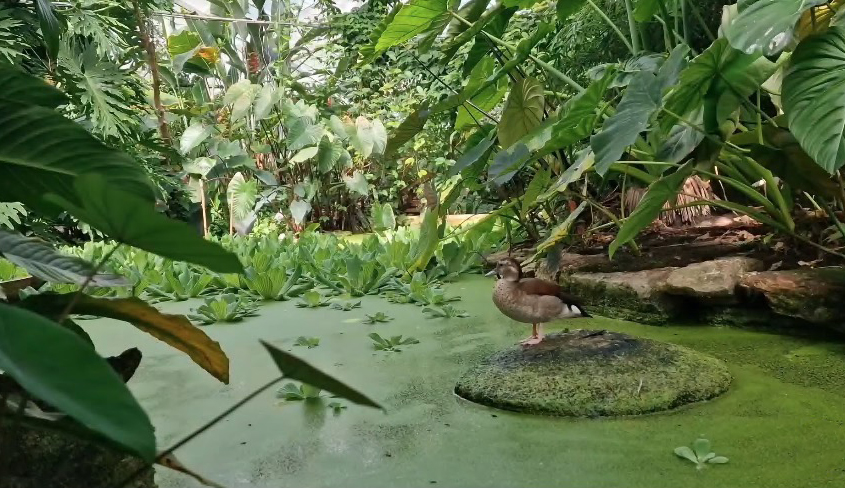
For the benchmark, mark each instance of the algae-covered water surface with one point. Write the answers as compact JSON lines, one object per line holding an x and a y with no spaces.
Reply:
{"x":780,"y":424}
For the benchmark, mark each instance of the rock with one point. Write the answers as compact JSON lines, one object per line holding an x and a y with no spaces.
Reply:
{"x":636,"y":296}
{"x":32,"y":457}
{"x":711,"y":281}
{"x":814,"y":295}
{"x":594,"y":374}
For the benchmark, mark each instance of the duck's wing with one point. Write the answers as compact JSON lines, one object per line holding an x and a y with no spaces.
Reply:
{"x":536,"y":286}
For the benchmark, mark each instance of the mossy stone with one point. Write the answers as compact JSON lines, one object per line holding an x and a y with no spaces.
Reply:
{"x":594,"y":374}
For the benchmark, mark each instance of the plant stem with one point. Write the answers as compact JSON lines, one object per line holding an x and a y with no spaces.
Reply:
{"x":685,"y":21}
{"x":149,"y":47}
{"x":632,"y":28}
{"x":203,"y":428}
{"x":612,"y":25}
{"x":702,"y":22}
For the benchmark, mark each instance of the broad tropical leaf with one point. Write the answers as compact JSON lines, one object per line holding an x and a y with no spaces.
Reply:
{"x":297,"y":369}
{"x":645,"y":10}
{"x":20,"y":87}
{"x":472,"y":155}
{"x":174,"y":330}
{"x":363,"y":139}
{"x":472,"y":11}
{"x":523,"y":111}
{"x":130,"y":220}
{"x":379,"y":137}
{"x":585,"y":160}
{"x":42,"y":261}
{"x":265,"y":101}
{"x":328,"y":154}
{"x":368,"y":52}
{"x":565,"y":8}
{"x":493,"y":22}
{"x":414,"y":18}
{"x":299,"y":209}
{"x":814,"y":99}
{"x":720,"y":74}
{"x":55,"y":365}
{"x":659,"y":192}
{"x":303,"y":133}
{"x":304,"y":154}
{"x":193,"y":136}
{"x":766,"y":26}
{"x":241,"y":196}
{"x":30,"y":169}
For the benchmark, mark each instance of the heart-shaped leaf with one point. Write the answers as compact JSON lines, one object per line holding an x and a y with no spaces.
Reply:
{"x":193,"y":136}
{"x":523,"y":111}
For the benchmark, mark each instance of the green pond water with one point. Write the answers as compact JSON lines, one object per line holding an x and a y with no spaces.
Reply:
{"x":781,"y":423}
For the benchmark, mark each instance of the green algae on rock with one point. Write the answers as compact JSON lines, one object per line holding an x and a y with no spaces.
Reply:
{"x":594,"y":374}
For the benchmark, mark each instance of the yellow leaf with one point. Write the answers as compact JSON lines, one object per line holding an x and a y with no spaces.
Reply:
{"x":174,"y":330}
{"x":818,"y":19}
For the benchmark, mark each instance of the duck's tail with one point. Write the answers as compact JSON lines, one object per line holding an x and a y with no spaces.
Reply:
{"x":573,"y":312}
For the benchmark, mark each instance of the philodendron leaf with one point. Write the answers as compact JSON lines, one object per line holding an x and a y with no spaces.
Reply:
{"x":813,"y":99}
{"x":299,"y":209}
{"x":174,"y":330}
{"x":523,"y":111}
{"x":766,"y":26}
{"x":55,"y":365}
{"x":193,"y":136}
{"x":686,"y":453}
{"x":133,"y":221}
{"x":659,"y":192}
{"x":297,"y":369}
{"x":42,"y":261}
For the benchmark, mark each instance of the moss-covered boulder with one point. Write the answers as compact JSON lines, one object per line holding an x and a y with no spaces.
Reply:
{"x":637,"y":296}
{"x":594,"y":374}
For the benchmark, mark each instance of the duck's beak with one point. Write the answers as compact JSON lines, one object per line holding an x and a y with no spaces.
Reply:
{"x":492,"y":272}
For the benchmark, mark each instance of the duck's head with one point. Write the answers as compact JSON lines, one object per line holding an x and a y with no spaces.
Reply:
{"x":508,"y":269}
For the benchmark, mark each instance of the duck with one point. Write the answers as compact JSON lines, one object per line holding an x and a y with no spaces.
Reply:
{"x":531,"y":300}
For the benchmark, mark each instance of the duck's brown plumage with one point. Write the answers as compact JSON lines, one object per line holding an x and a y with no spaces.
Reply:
{"x":532,"y":300}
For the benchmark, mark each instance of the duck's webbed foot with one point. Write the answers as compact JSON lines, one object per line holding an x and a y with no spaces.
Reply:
{"x":536,"y":337}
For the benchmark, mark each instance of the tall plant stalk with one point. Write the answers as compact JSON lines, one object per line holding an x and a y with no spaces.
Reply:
{"x":632,"y":28}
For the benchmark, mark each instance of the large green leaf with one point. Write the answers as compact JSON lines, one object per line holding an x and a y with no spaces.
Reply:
{"x":645,"y":9}
{"x":194,"y":135}
{"x":410,"y":127}
{"x":363,"y":138}
{"x":302,"y":133}
{"x":659,"y":192}
{"x":22,"y":87}
{"x":379,"y":137}
{"x":814,"y":97}
{"x":584,"y":161}
{"x":575,"y":122}
{"x":265,"y":101}
{"x":241,"y":195}
{"x":435,"y":29}
{"x":565,"y":8}
{"x":523,"y":111}
{"x":493,"y":22}
{"x":328,"y":153}
{"x":456,"y":34}
{"x":368,"y":52}
{"x":721,"y":74}
{"x":174,"y":330}
{"x":485,"y":99}
{"x":766,"y":26}
{"x":472,"y":155}
{"x":42,"y":261}
{"x":414,"y":18}
{"x":55,"y":365}
{"x":296,"y":369}
{"x":133,"y":221}
{"x":304,"y":154}
{"x":357,"y":183}
{"x":641,"y":99}
{"x":51,"y":27}
{"x":42,"y":152}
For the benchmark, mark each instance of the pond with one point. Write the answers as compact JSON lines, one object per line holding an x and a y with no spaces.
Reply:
{"x":780,"y":424}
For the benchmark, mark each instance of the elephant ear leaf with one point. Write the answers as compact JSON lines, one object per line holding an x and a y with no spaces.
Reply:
{"x":813,"y":100}
{"x":523,"y":111}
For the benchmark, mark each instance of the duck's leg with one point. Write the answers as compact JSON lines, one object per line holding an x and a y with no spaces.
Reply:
{"x":536,"y":336}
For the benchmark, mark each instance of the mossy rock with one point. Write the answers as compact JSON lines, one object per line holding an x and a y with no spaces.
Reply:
{"x":594,"y":374}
